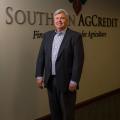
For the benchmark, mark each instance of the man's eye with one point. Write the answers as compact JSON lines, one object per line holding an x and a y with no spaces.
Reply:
{"x":62,"y":18}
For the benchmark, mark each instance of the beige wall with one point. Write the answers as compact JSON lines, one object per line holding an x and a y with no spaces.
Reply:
{"x":20,"y":99}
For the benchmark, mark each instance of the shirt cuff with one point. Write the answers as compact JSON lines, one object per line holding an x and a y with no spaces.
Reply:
{"x":73,"y":82}
{"x":39,"y":78}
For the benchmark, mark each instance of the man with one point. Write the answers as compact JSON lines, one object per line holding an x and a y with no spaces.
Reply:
{"x":59,"y":66}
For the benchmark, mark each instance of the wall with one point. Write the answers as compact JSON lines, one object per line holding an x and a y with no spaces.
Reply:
{"x":19,"y":97}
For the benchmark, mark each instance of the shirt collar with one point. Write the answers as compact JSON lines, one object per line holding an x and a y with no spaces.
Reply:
{"x":61,"y":32}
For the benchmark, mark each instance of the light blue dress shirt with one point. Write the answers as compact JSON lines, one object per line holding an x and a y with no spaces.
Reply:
{"x":58,"y":38}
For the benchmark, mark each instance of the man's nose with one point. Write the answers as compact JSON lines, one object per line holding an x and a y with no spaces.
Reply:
{"x":59,"y":19}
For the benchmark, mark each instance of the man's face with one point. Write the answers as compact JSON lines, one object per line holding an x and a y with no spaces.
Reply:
{"x":60,"y":21}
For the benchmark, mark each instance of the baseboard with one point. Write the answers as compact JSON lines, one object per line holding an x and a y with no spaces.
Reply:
{"x":87,"y":102}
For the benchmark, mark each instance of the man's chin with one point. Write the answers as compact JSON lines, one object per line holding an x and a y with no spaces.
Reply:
{"x":60,"y":28}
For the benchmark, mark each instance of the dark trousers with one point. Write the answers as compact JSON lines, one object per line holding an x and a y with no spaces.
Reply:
{"x":62,"y":105}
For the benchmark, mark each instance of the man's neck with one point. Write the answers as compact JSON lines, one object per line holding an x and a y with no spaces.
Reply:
{"x":60,"y":30}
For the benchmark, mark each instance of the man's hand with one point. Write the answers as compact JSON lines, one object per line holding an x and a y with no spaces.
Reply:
{"x":72,"y":86}
{"x":40,"y":83}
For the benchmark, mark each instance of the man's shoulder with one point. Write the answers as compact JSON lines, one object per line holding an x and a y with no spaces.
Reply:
{"x":49,"y":32}
{"x":73,"y":32}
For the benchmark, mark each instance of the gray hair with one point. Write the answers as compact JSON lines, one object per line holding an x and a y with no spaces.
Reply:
{"x":61,"y":11}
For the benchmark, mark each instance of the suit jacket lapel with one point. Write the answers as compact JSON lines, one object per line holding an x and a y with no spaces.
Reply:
{"x":65,"y":39}
{"x":50,"y":41}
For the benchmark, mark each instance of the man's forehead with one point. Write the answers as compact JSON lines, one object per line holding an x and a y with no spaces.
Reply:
{"x":60,"y":14}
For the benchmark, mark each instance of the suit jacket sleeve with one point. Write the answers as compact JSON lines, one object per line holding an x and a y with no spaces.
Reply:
{"x":40,"y":60}
{"x":78,"y":57}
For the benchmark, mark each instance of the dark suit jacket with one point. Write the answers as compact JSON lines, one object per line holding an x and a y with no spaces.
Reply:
{"x":69,"y":61}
